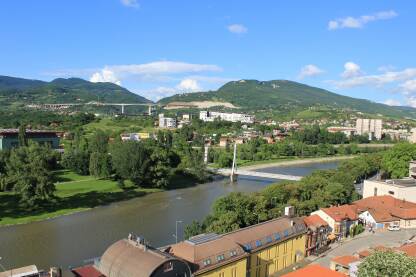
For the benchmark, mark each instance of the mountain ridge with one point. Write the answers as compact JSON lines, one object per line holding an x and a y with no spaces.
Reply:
{"x":286,"y":95}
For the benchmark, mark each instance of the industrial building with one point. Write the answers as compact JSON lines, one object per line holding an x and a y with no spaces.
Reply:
{"x":9,"y":138}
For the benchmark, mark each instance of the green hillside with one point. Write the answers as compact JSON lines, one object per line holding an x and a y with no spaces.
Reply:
{"x":287,"y":96}
{"x":18,"y":91}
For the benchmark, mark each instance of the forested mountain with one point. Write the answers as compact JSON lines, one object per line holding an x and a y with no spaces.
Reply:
{"x":283,"y":95}
{"x":15,"y":91}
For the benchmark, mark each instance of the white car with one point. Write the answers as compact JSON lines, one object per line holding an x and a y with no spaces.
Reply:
{"x":394,"y":228}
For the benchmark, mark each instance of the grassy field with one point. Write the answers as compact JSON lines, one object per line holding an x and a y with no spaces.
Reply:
{"x":110,"y":124}
{"x":74,"y":193}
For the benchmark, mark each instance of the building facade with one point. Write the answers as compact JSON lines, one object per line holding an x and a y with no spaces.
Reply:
{"x":371,"y":127}
{"x":208,"y":116}
{"x":9,"y":138}
{"x":167,"y":122}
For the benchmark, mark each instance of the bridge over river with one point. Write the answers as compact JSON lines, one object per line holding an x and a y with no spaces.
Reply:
{"x":240,"y":172}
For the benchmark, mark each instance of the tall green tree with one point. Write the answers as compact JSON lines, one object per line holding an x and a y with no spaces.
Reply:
{"x":28,"y":172}
{"x":396,"y":160}
{"x":22,"y":136}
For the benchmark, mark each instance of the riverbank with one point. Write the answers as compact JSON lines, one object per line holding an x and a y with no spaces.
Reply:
{"x":75,"y":193}
{"x":292,"y":161}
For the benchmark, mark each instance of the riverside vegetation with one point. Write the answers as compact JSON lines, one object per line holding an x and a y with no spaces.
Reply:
{"x":320,"y":189}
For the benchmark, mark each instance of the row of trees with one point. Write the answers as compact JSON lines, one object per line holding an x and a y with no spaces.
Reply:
{"x":259,"y":150}
{"x":320,"y":189}
{"x":148,"y":163}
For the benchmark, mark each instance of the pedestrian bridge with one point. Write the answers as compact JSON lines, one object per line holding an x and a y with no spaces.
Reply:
{"x":228,"y":172}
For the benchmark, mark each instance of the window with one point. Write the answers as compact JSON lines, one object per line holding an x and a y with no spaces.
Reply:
{"x":286,"y":233}
{"x":220,"y":257}
{"x":247,"y":247}
{"x":277,"y":236}
{"x":221,"y":274}
{"x":269,"y":240}
{"x":391,"y":192}
{"x":233,"y":253}
{"x":234,"y":272}
{"x":258,"y":243}
{"x":168,"y":267}
{"x":375,"y":191}
{"x":207,"y":262}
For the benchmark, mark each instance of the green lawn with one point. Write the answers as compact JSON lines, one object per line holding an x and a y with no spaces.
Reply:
{"x":110,"y":124}
{"x":73,"y":193}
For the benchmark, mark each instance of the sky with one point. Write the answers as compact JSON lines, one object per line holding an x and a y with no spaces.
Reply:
{"x":157,"y":48}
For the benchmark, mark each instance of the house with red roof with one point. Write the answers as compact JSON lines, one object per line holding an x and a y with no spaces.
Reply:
{"x":314,"y":270}
{"x":340,"y":219}
{"x":317,"y":236}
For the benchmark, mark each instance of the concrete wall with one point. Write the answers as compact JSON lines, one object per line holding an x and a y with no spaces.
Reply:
{"x":383,"y":188}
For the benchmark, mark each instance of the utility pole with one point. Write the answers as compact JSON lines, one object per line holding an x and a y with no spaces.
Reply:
{"x":176,"y":230}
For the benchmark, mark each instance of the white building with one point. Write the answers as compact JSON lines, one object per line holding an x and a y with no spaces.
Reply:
{"x":232,"y":117}
{"x":372,"y":127}
{"x":167,"y":122}
{"x":403,"y":189}
{"x":348,"y":131}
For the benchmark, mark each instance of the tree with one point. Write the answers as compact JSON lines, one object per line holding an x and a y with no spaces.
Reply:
{"x":22,"y":136}
{"x":387,"y":263}
{"x":28,"y":172}
{"x":131,"y":162}
{"x":396,"y":160}
{"x":193,"y":229}
{"x":100,"y":165}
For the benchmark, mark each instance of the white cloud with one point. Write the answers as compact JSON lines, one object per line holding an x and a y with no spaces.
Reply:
{"x":189,"y":85}
{"x":310,"y":70}
{"x":408,"y":87}
{"x":359,"y":22}
{"x":130,"y":3}
{"x":351,"y":70}
{"x":149,"y":71}
{"x":392,"y":102}
{"x":237,"y":28}
{"x":105,"y":75}
{"x":377,"y":79}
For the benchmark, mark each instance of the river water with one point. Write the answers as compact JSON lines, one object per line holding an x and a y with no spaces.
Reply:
{"x":70,"y":240}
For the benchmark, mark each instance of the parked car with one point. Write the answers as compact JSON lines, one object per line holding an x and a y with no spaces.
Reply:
{"x":394,"y":228}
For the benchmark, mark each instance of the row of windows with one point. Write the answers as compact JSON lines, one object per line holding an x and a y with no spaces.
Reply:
{"x":220,"y":257}
{"x":268,"y":239}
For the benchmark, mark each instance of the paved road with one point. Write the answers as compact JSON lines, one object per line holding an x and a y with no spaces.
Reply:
{"x":365,"y":241}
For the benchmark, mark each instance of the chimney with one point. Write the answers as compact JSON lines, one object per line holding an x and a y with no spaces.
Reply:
{"x":289,"y":211}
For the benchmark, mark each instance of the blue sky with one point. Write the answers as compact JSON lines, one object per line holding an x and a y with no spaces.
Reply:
{"x":157,"y":48}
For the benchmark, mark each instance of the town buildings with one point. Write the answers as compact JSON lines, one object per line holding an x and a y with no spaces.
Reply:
{"x":259,"y":250}
{"x":404,"y":189}
{"x":135,"y":136}
{"x":348,"y":131}
{"x":167,"y":122}
{"x":9,"y":138}
{"x":314,"y":270}
{"x":371,"y":127}
{"x":232,"y":117}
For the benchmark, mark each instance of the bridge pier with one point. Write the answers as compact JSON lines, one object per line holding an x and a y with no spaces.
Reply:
{"x":122,"y":109}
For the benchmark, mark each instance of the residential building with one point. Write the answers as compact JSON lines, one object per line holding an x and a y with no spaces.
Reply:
{"x":9,"y":138}
{"x":412,"y":137}
{"x":404,"y":189}
{"x":232,"y":117}
{"x":343,"y":263}
{"x":348,"y":131}
{"x":224,"y":141}
{"x":371,"y":127}
{"x":340,"y":219}
{"x":380,"y":212}
{"x":317,"y":236}
{"x":314,"y":270}
{"x":134,"y":136}
{"x":258,"y":250}
{"x":167,"y":122}
{"x":133,"y":257}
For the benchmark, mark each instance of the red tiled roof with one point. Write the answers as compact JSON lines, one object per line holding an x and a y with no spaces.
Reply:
{"x":314,"y":221}
{"x":409,"y":249}
{"x":87,"y":271}
{"x":364,"y":253}
{"x":340,"y":213}
{"x":314,"y":270}
{"x":387,"y":208}
{"x":345,"y":260}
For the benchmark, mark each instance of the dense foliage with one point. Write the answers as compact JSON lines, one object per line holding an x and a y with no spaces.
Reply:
{"x":320,"y":189}
{"x":396,"y":160}
{"x":387,"y":264}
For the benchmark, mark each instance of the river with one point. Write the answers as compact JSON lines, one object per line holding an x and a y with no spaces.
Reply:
{"x":70,"y":240}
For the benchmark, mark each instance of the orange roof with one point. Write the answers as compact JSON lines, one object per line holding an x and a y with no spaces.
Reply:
{"x":387,"y":208}
{"x":340,"y":213}
{"x":314,"y":270}
{"x":345,"y":260}
{"x":409,"y":249}
{"x":364,"y":253}
{"x":314,"y":221}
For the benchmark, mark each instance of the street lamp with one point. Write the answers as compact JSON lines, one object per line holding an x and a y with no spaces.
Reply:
{"x":176,"y":230}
